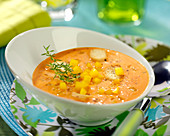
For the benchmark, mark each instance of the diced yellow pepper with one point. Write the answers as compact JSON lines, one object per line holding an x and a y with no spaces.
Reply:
{"x":79,"y":85}
{"x":77,"y":70}
{"x":108,"y":92}
{"x":101,"y":91}
{"x":83,"y":91}
{"x":97,"y":80}
{"x":89,"y":65}
{"x":63,"y":86}
{"x":94,"y":73}
{"x":84,"y":84}
{"x":116,"y":91}
{"x":100,"y":76}
{"x":74,"y":62}
{"x":87,"y":79}
{"x":98,"y":65}
{"x":87,"y":70}
{"x":116,"y":81}
{"x":84,"y":74}
{"x":119,"y":71}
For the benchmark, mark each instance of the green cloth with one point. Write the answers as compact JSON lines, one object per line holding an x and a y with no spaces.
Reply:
{"x":17,"y":16}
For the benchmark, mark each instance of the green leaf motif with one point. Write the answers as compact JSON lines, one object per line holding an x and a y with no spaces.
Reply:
{"x":14,"y":110}
{"x":141,"y":48}
{"x":65,"y":132}
{"x":154,"y":100}
{"x":48,"y":134}
{"x":33,"y":101}
{"x":16,"y":117}
{"x":153,"y":104}
{"x":119,"y":36}
{"x":159,"y":100}
{"x":157,"y":53}
{"x":121,"y":117}
{"x":167,"y":58}
{"x":141,"y":132}
{"x":34,"y":131}
{"x":20,"y":92}
{"x":86,"y":130}
{"x":103,"y":132}
{"x":60,"y":120}
{"x":52,"y":128}
{"x":33,"y":124}
{"x":160,"y":131}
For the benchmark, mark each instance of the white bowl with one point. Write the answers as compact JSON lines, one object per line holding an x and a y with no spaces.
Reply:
{"x":23,"y":54}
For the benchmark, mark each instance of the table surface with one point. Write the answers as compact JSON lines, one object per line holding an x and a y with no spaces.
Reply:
{"x":155,"y":25}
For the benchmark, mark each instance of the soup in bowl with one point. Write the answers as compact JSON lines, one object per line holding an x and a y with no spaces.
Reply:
{"x":91,"y":75}
{"x":83,"y":75}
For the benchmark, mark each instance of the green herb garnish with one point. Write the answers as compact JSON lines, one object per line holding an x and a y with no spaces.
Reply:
{"x":62,"y":70}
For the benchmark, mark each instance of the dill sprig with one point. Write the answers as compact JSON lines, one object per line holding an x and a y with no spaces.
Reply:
{"x":62,"y":70}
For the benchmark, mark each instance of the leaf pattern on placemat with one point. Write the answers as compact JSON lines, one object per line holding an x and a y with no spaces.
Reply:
{"x":156,"y":52}
{"x":39,"y":114}
{"x":156,"y":100}
{"x":62,"y":126}
{"x":95,"y":130}
{"x":156,"y":117}
{"x":63,"y":131}
{"x":19,"y":90}
{"x":160,"y":131}
{"x":141,"y":132}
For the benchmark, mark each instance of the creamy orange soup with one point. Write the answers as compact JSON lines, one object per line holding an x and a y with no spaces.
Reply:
{"x":103,"y":76}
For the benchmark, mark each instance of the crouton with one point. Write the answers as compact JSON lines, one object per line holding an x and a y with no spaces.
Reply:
{"x":110,"y":74}
{"x":98,"y":54}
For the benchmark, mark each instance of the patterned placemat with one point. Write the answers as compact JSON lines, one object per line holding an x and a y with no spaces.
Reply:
{"x":21,"y":119}
{"x":36,"y":119}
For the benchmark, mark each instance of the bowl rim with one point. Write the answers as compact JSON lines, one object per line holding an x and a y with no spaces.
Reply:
{"x":144,"y":94}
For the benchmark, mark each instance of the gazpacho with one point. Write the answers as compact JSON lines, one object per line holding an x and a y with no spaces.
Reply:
{"x":91,"y":75}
